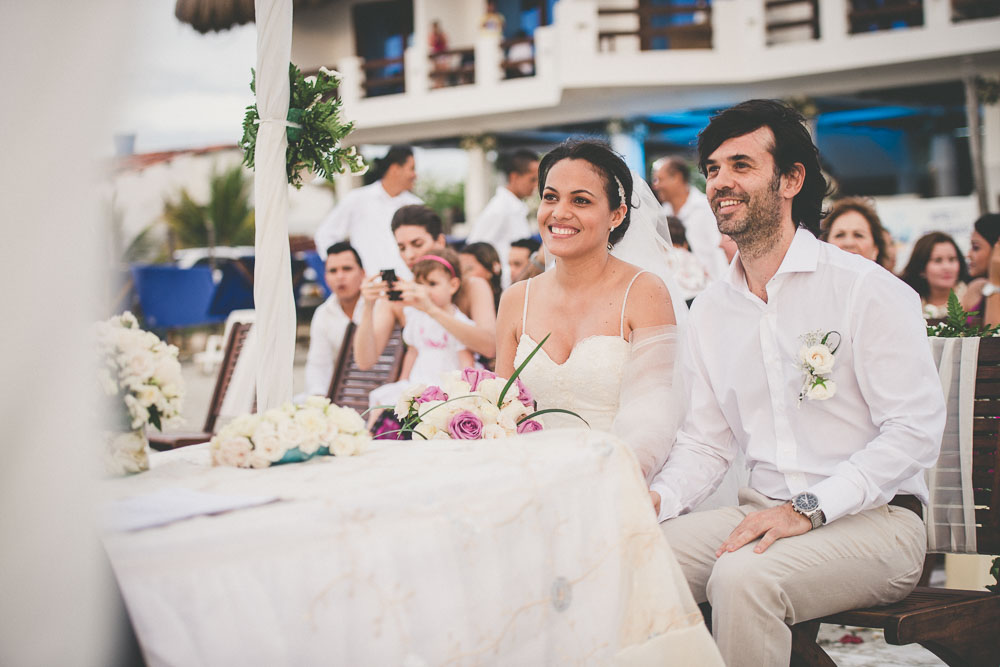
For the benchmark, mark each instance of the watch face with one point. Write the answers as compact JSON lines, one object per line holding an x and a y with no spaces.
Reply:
{"x":806,"y":502}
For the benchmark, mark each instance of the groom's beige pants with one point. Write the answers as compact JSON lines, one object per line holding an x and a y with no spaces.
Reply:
{"x":859,"y":560}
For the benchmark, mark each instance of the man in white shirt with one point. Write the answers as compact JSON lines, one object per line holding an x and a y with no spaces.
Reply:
{"x":363,"y":217}
{"x":505,"y":217}
{"x":344,"y":275}
{"x":815,"y":364}
{"x":672,"y":184}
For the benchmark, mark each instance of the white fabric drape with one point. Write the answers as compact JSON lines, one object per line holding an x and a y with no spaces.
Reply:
{"x":951,"y":514}
{"x":272,"y":288}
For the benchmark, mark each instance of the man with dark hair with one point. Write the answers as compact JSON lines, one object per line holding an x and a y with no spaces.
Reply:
{"x":344,"y":275}
{"x":519,"y":256}
{"x":672,"y":184}
{"x":505,"y":217}
{"x":364,"y":214}
{"x":814,"y":362}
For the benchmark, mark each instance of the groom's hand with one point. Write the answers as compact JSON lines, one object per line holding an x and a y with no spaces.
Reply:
{"x":773,"y":524}
{"x":655,"y":497}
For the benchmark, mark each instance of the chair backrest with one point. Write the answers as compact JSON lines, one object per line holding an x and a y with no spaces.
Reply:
{"x":986,"y":447}
{"x":235,"y":343}
{"x":351,"y":385}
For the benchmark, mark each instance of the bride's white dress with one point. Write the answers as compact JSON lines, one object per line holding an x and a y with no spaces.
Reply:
{"x":590,"y":383}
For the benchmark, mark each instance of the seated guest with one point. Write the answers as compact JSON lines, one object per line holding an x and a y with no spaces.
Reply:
{"x":688,"y":271}
{"x":344,"y":275}
{"x":983,"y":295}
{"x":519,"y":258}
{"x":853,"y":225}
{"x":936,"y":267}
{"x":837,"y":441}
{"x":482,"y":260}
{"x":417,"y":230}
{"x":431,"y":349}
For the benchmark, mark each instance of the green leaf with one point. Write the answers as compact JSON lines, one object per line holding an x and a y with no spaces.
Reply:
{"x":547,"y":410}
{"x":520,"y":368}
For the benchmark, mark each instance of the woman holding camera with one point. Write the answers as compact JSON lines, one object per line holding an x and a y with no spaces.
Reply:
{"x":417,"y":229}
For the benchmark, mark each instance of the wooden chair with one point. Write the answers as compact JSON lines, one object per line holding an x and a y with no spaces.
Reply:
{"x":959,"y":627}
{"x":351,"y":385}
{"x":234,"y":346}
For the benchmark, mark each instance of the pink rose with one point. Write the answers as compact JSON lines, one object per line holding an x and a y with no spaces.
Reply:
{"x":476,"y":375}
{"x":465,"y":426}
{"x":529,"y":426}
{"x":523,"y":394}
{"x":432,"y":394}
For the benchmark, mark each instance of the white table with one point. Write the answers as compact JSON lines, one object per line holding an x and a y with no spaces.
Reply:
{"x":541,"y":549}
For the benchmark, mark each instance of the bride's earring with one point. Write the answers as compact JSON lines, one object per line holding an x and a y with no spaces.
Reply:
{"x":610,"y":232}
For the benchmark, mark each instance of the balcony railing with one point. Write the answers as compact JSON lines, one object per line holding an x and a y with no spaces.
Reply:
{"x":874,"y":15}
{"x":384,"y":76}
{"x":967,"y":10}
{"x":656,"y":27}
{"x":453,"y":67}
{"x":791,"y":20}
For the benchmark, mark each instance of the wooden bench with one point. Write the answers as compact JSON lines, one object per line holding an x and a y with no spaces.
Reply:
{"x":960,"y":627}
{"x":234,"y":346}
{"x":350,"y":385}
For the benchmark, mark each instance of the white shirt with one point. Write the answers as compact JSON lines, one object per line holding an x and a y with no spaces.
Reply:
{"x":503,"y":221}
{"x":872,"y":439}
{"x":364,"y":218}
{"x":326,"y":334}
{"x":702,"y":231}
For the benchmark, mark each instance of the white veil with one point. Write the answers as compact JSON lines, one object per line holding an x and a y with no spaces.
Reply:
{"x":647,"y":243}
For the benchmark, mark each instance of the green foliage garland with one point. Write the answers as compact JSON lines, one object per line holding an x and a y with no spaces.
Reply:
{"x":956,"y":324}
{"x":315,"y":145}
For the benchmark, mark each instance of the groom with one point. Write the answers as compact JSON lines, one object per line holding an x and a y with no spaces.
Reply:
{"x":815,"y":363}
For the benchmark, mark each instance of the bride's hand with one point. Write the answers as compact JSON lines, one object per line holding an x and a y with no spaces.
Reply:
{"x":655,"y":497}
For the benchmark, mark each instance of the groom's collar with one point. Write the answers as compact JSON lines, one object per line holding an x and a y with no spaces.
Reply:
{"x":802,"y":256}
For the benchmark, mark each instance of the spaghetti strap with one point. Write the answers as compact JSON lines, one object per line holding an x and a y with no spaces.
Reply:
{"x":624,"y":302}
{"x":524,"y":313}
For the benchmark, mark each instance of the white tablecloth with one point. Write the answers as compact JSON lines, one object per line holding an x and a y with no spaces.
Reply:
{"x":537,"y":550}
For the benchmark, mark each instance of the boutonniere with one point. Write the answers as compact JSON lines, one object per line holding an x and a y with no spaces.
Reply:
{"x":816,"y":356}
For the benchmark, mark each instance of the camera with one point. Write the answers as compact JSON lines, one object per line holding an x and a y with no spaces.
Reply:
{"x":389,"y":278}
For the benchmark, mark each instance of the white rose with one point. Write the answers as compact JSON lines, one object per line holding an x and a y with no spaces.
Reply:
{"x":138,"y":413}
{"x":435,"y":413}
{"x":266,"y":442}
{"x":427,"y":430}
{"x":456,"y":387}
{"x":493,"y":432}
{"x":510,"y":414}
{"x":233,"y":451}
{"x":320,"y":403}
{"x":126,"y":453}
{"x":821,"y":392}
{"x":244,"y":425}
{"x":488,"y":412}
{"x":817,"y":357}
{"x":349,"y":445}
{"x":148,"y":395}
{"x":313,"y":421}
{"x":140,"y":364}
{"x":258,"y":459}
{"x":490,"y":389}
{"x":346,"y":420}
{"x":402,"y":408}
{"x":290,"y":433}
{"x":333,"y":72}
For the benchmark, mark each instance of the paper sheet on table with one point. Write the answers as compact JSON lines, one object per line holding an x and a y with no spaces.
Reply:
{"x":174,"y":504}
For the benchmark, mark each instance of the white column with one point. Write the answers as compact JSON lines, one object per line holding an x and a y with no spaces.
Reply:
{"x":488,"y":58}
{"x":477,"y":183}
{"x":937,"y":13}
{"x":991,"y":155}
{"x":833,"y":24}
{"x":943,"y":165}
{"x":629,"y":143}
{"x":351,"y":87}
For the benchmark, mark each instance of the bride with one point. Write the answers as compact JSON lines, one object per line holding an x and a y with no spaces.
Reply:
{"x":612,"y":326}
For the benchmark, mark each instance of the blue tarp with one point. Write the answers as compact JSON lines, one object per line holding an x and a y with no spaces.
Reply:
{"x":171,"y":297}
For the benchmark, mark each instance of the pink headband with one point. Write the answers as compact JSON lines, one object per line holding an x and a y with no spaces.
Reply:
{"x":440,"y":260}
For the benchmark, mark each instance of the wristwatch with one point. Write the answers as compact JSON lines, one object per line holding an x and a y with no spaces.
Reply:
{"x":989,"y":289}
{"x":807,"y":504}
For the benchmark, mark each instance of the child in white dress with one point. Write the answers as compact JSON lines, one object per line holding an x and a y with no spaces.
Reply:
{"x":431,"y":349}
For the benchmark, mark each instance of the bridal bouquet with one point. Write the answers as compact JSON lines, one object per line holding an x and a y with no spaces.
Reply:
{"x":290,"y":434}
{"x":141,"y":375}
{"x":472,"y":404}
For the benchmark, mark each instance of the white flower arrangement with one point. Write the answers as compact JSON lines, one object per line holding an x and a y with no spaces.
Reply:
{"x":816,"y":358}
{"x":290,"y":434}
{"x":141,"y":371}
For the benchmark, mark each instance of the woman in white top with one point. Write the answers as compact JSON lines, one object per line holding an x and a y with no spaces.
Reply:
{"x":601,"y":313}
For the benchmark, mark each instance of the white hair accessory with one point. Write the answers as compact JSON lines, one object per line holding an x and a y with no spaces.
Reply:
{"x":621,"y":192}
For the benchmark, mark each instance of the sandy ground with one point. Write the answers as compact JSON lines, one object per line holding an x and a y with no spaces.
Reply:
{"x":871,"y":652}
